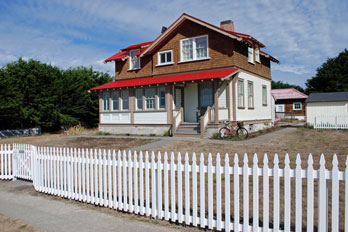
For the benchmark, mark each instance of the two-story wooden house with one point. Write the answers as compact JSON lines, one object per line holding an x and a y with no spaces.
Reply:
{"x":191,"y":77}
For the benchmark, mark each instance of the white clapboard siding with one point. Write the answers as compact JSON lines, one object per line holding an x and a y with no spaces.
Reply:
{"x":187,"y":192}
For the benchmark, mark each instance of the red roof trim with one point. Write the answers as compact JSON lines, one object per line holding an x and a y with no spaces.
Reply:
{"x":167,"y":79}
{"x":136,"y":46}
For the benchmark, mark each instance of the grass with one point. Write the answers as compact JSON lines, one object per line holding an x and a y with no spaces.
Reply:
{"x":8,"y":224}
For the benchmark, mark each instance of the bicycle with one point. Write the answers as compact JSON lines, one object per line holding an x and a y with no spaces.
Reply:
{"x":229,"y":131}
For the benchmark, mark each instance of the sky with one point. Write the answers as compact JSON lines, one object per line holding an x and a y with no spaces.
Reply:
{"x":301,"y":34}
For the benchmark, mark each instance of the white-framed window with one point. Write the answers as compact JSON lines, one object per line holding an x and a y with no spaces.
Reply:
{"x":115,"y":100}
{"x":257,"y":55}
{"x":150,"y":98}
{"x":194,"y":48}
{"x":125,"y":99}
{"x":162,"y":97}
{"x":251,"y":55}
{"x":264,"y":95}
{"x":134,"y":59}
{"x":106,"y":101}
{"x":279,"y":108}
{"x":240,"y":93}
{"x":139,"y":99}
{"x":250,"y":94}
{"x":297,"y":106}
{"x":165,"y":57}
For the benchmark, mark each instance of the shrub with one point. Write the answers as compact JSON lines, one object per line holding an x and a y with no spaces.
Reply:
{"x":142,"y":134}
{"x":152,"y":135}
{"x":166,"y":133}
{"x":117,"y":134}
{"x":127,"y":134}
{"x":75,"y":130}
{"x":216,"y":135}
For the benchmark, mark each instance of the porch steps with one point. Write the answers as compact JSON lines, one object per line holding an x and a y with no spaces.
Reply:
{"x":188,"y":130}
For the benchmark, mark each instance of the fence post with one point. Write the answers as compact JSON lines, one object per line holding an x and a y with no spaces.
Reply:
{"x":14,"y":155}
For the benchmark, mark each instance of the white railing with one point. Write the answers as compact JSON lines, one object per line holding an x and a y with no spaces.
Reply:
{"x":6,"y":162}
{"x":199,"y":193}
{"x":331,"y":122}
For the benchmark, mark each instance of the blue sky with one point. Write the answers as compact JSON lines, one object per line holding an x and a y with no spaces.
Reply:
{"x":66,"y":33}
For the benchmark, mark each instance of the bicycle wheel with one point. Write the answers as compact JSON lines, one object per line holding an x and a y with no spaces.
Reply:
{"x":224,"y":132}
{"x":242,"y":133}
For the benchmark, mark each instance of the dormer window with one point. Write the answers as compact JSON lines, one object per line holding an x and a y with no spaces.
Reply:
{"x":134,"y":60}
{"x":165,"y":57}
{"x":251,"y":55}
{"x":194,"y":48}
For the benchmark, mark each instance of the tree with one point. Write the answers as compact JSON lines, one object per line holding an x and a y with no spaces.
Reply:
{"x":282,"y":85}
{"x":75,"y":102}
{"x":33,"y":94}
{"x":332,"y":76}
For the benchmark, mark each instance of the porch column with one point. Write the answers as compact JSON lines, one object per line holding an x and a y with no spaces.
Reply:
{"x":228,"y":96}
{"x":169,"y":104}
{"x":132,"y":104}
{"x":234,"y":106}
{"x":216,"y":101}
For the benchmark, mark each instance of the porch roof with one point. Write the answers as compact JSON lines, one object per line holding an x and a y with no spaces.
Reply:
{"x":167,"y":79}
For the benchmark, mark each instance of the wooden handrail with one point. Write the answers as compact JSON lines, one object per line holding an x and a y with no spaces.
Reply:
{"x":206,"y":114}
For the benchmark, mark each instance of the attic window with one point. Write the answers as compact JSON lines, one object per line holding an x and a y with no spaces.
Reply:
{"x":165,"y":57}
{"x":251,"y":55}
{"x":194,"y":48}
{"x":134,"y":60}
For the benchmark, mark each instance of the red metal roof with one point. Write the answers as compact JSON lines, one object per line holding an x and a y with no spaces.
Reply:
{"x":167,"y":79}
{"x":288,"y":94}
{"x":117,"y":56}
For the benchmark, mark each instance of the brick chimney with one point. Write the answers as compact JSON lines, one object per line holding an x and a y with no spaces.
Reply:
{"x":227,"y":25}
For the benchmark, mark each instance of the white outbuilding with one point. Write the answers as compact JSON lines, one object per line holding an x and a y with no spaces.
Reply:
{"x":327,"y":109}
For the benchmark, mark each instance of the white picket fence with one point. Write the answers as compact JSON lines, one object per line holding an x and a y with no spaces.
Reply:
{"x":192,"y":193}
{"x":331,"y":122}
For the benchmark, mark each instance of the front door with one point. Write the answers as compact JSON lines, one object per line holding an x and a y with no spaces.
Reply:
{"x":191,"y":102}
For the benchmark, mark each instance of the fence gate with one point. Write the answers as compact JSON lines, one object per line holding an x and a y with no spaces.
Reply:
{"x":22,"y":161}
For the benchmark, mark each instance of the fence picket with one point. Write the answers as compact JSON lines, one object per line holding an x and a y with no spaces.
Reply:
{"x":166,"y":187}
{"x":236,"y":193}
{"x":109,"y":164}
{"x":159,"y":186}
{"x":255,"y":193}
{"x":287,"y":194}
{"x":194,"y":190}
{"x":298,"y":194}
{"x":100,"y":175}
{"x":179,"y":164}
{"x":153,"y":186}
{"x":310,"y":194}
{"x":147,"y":184}
{"x":218,"y":192}
{"x":335,"y":192}
{"x":114,"y":179}
{"x":265,"y":193}
{"x":187,"y":190}
{"x":276,"y":193}
{"x":105,"y":179}
{"x":202,"y":191}
{"x":322,"y":196}
{"x":141,"y":175}
{"x":136,"y":192}
{"x":172,"y":187}
{"x":210,"y":192}
{"x":130,"y":183}
{"x":79,"y":173}
{"x":125,"y":193}
{"x":346,"y":197}
{"x":119,"y":169}
{"x":92,"y":166}
{"x":245,"y":193}
{"x":227,"y":194}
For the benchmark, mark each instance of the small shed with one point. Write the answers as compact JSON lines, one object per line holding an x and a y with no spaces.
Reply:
{"x":327,"y":108}
{"x":289,"y":103}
